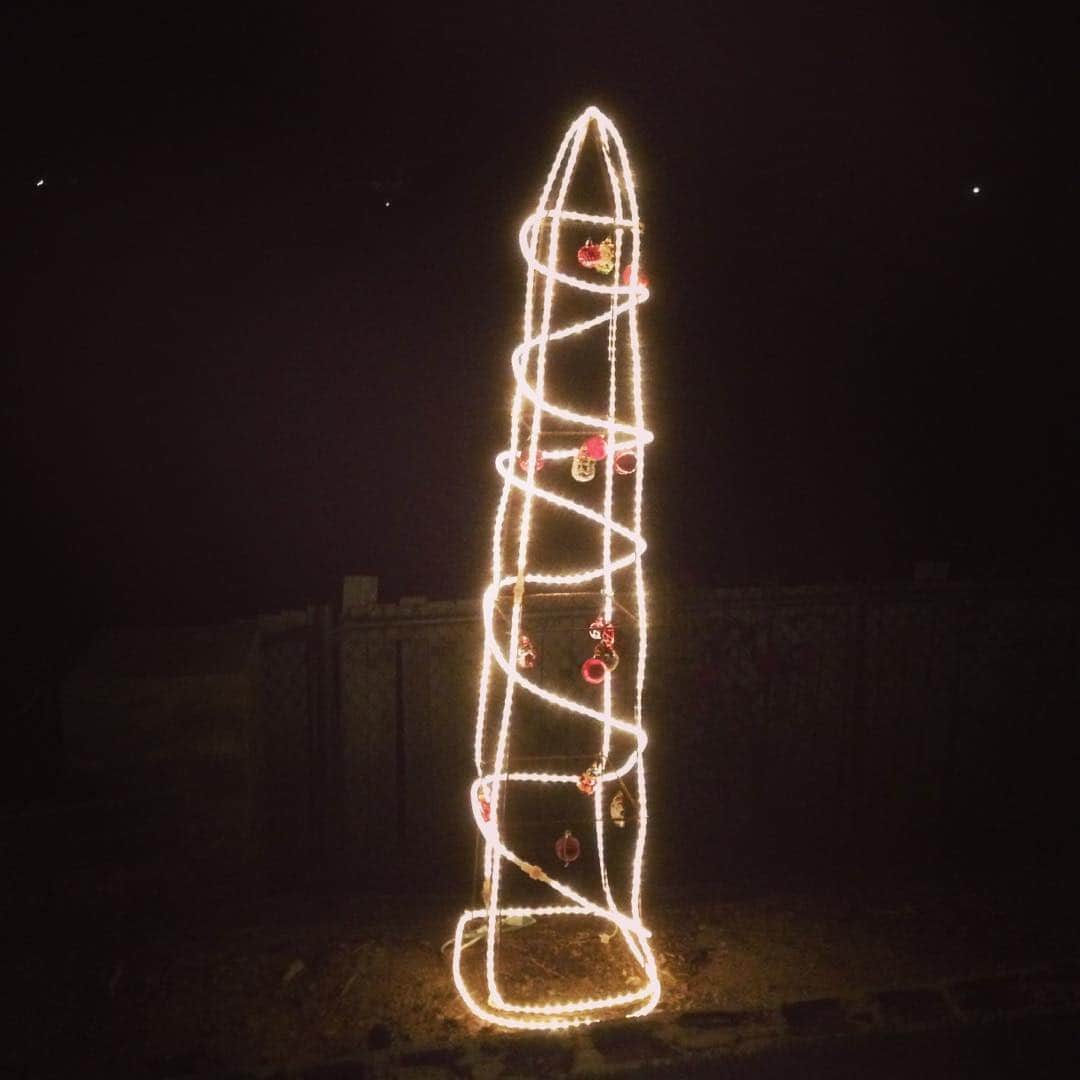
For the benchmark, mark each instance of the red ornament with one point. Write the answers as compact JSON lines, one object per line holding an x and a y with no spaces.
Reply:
{"x":523,"y":461}
{"x":602,"y":631}
{"x":567,"y":848}
{"x":642,"y":279}
{"x":625,"y":462}
{"x":599,"y":257}
{"x":604,"y":658}
{"x":485,"y":803}
{"x":593,"y":670}
{"x":595,"y":448}
{"x":587,"y":781}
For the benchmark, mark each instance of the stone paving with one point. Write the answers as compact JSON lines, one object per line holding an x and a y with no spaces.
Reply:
{"x":687,"y":1043}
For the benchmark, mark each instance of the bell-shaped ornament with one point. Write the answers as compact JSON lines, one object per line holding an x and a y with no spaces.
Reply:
{"x":583,"y":468}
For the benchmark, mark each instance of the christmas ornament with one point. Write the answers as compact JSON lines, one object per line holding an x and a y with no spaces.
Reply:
{"x":594,"y":448}
{"x":483,"y":796}
{"x":583,"y":468}
{"x":599,"y":257}
{"x":587,"y":781}
{"x":523,"y":461}
{"x":604,"y":658}
{"x":526,"y":653}
{"x":567,"y":848}
{"x":625,"y":462}
{"x":617,"y":809}
{"x":593,"y":670}
{"x":602,"y":631}
{"x":625,"y":276}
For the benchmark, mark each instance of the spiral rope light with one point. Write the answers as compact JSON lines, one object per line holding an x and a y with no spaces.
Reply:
{"x":601,"y":446}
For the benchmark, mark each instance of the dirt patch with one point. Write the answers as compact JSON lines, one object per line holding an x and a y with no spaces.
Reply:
{"x":304,"y":983}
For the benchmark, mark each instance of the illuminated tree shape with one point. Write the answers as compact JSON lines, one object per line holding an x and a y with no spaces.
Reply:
{"x":533,"y":442}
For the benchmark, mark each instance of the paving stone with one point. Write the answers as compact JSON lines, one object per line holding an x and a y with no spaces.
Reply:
{"x":722,"y":1019}
{"x":437,"y":1057}
{"x":339,"y":1070}
{"x":529,"y":1056}
{"x":992,"y":996}
{"x":1066,"y":969}
{"x":826,"y":1016}
{"x":632,"y":1042}
{"x":1057,"y":987}
{"x":379,"y":1037}
{"x":902,"y":1008}
{"x":185,"y":1064}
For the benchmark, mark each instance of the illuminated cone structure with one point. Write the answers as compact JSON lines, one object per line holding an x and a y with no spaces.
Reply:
{"x":580,"y":333}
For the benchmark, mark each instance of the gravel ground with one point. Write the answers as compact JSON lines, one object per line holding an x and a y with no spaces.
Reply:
{"x":303,"y":980}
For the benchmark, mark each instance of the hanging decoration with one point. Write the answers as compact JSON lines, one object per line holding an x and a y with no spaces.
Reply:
{"x":603,"y":631}
{"x":567,"y":848}
{"x":599,"y":257}
{"x":609,"y":333}
{"x":617,"y":809}
{"x":625,"y":276}
{"x":583,"y":468}
{"x":604,"y":659}
{"x":526,"y":654}
{"x":523,"y":461}
{"x":625,"y":462}
{"x":593,"y":670}
{"x":594,"y":448}
{"x":587,"y":781}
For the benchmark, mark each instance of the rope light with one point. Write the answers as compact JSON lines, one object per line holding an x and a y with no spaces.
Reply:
{"x":612,"y":447}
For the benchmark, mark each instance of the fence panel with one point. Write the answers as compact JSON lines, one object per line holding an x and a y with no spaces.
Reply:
{"x":905,"y":724}
{"x":369,"y":734}
{"x":785,"y":725}
{"x":284,"y":749}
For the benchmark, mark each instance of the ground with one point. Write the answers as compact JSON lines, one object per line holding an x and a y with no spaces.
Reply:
{"x":295,"y":980}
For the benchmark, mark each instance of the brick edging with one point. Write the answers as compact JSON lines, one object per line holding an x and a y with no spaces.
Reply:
{"x":662,"y":1042}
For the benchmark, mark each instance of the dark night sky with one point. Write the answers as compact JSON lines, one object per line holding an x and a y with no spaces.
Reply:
{"x":233,"y":374}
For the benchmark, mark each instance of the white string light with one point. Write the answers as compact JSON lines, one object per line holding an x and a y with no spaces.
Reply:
{"x":619,"y":318}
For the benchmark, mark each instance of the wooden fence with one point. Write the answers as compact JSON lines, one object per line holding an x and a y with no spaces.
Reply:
{"x":788,"y":726}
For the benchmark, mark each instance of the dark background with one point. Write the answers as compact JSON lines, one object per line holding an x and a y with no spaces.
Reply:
{"x":234,"y":374}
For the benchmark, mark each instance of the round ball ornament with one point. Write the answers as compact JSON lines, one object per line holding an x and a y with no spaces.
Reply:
{"x":594,"y":448}
{"x":599,"y":257}
{"x":567,"y":848}
{"x":625,"y":462}
{"x":625,"y":276}
{"x":593,"y":670}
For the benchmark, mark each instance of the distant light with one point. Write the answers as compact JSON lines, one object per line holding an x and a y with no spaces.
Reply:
{"x":976,"y":189}
{"x":387,"y":202}
{"x":40,"y":183}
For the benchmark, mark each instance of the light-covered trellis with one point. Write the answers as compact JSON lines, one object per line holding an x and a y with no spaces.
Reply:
{"x":563,"y":442}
